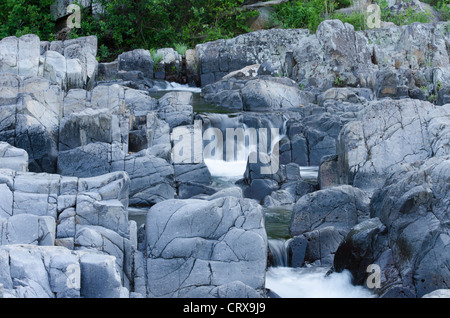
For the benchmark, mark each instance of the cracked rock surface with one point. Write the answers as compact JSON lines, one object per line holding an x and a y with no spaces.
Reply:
{"x":196,"y":246}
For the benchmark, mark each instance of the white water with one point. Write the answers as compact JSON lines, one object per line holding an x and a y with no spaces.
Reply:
{"x":285,"y":281}
{"x":172,"y":86}
{"x":312,"y":283}
{"x":226,"y":169}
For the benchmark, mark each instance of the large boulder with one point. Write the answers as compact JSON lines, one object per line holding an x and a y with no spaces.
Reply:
{"x":138,"y":60}
{"x":218,"y":58}
{"x":342,"y":207}
{"x":29,"y":271}
{"x":176,"y":108}
{"x":388,"y":134}
{"x":31,"y":109}
{"x":257,"y":94}
{"x":407,"y":236}
{"x":316,"y":247}
{"x":13,"y":158}
{"x":335,"y":53}
{"x":68,"y":64}
{"x":89,"y":214}
{"x":195,"y":246}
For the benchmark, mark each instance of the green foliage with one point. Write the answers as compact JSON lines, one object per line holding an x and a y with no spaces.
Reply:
{"x":404,"y":18}
{"x":130,"y":24}
{"x":103,"y":52}
{"x":20,"y":17}
{"x":357,"y":19}
{"x":338,"y":82}
{"x":181,"y":48}
{"x":156,"y":57}
{"x":299,"y":14}
{"x":443,"y":7}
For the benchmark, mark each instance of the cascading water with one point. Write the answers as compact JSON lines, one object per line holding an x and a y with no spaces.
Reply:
{"x":164,"y":86}
{"x":278,"y":252}
{"x":215,"y":160}
{"x":281,"y":279}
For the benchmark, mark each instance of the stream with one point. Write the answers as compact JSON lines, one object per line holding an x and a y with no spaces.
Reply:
{"x":284,"y":281}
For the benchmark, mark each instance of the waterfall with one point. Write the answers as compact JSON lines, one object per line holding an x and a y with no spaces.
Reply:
{"x":160,"y":85}
{"x":279,"y":252}
{"x":228,"y":142}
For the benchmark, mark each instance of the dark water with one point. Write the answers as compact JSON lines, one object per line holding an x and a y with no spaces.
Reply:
{"x":277,"y":220}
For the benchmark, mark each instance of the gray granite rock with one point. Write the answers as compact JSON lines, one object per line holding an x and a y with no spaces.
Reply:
{"x":195,"y":246}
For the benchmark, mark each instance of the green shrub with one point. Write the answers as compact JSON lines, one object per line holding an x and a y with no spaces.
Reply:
{"x":156,"y":57}
{"x":357,"y":19}
{"x":131,"y":24}
{"x":443,"y":7}
{"x":181,"y":48}
{"x":299,"y":14}
{"x":407,"y":17}
{"x":20,"y":17}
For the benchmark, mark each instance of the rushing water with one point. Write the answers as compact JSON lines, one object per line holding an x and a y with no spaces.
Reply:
{"x":286,"y":282}
{"x":313,"y":282}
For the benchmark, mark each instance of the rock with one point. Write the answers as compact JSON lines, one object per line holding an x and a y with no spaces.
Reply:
{"x":30,"y":109}
{"x":100,"y":278}
{"x":334,"y":52}
{"x":137,"y":60}
{"x":341,"y":207}
{"x":100,"y":201}
{"x":139,"y":102}
{"x":328,"y":172}
{"x":64,"y":63}
{"x":192,"y":69}
{"x":39,"y":272}
{"x":236,"y":289}
{"x":260,"y":179}
{"x":28,"y":229}
{"x":192,"y":172}
{"x":416,"y":238}
{"x":170,"y":68}
{"x":151,"y":179}
{"x":192,"y":179}
{"x":194,"y":190}
{"x":228,"y":192}
{"x":55,"y":68}
{"x":278,"y":198}
{"x":108,"y":71}
{"x":89,"y":214}
{"x":196,"y":243}
{"x":8,"y":55}
{"x":29,"y":50}
{"x":316,"y":247}
{"x":416,"y":129}
{"x":74,"y":101}
{"x":258,"y":94}
{"x":245,"y":73}
{"x":364,"y":243}
{"x":176,"y":108}
{"x":90,"y":160}
{"x":56,"y":272}
{"x":13,"y":158}
{"x":218,"y":58}
{"x":406,"y":233}
{"x":89,"y":126}
{"x":108,"y":97}
{"x":271,"y":94}
{"x":443,"y":96}
{"x":438,"y":293}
